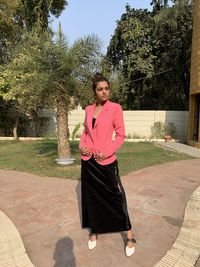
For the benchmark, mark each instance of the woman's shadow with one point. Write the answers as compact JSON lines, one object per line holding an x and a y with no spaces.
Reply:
{"x":63,"y":254}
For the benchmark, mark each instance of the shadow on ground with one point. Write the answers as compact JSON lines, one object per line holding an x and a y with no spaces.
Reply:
{"x":63,"y":254}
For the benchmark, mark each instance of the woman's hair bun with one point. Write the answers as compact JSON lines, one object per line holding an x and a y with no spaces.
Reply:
{"x":96,"y":76}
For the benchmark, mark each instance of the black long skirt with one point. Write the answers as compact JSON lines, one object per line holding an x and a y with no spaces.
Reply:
{"x":104,"y":207}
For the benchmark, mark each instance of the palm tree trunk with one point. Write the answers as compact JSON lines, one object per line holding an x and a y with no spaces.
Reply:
{"x":62,"y":128}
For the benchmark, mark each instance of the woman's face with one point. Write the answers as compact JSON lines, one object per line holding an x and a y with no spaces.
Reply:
{"x":102,"y":91}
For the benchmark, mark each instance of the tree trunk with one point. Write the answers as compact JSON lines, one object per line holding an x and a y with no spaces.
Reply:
{"x":35,"y":121}
{"x":62,"y":128}
{"x":186,"y":85}
{"x":15,"y":128}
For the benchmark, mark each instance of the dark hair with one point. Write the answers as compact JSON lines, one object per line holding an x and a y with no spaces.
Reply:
{"x":98,"y":77}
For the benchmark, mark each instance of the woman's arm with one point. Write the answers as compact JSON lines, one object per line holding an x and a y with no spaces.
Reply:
{"x":119,"y":127}
{"x":82,"y":142}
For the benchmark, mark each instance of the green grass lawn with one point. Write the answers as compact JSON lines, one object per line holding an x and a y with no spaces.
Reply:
{"x":38,"y":157}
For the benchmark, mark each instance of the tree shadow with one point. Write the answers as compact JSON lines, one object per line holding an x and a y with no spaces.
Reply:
{"x":63,"y":254}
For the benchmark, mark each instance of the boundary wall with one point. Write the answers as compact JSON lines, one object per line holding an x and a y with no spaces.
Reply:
{"x":137,"y":123}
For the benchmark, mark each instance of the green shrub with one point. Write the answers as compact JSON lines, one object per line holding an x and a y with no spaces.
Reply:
{"x":159,"y":129}
{"x":171,"y":130}
{"x":75,"y":131}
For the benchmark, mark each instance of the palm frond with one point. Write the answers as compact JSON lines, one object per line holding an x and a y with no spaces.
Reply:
{"x":61,"y":39}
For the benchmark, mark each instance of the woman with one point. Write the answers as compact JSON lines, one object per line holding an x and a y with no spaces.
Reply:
{"x":104,"y":207}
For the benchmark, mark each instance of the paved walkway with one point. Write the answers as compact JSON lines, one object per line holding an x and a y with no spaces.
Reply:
{"x":46,"y":212}
{"x":182,"y":148}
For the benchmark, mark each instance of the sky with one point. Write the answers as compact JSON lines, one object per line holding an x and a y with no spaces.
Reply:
{"x":84,"y":17}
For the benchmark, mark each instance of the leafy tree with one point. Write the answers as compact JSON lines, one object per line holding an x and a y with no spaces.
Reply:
{"x":43,"y":73}
{"x":151,"y":51}
{"x":159,"y":4}
{"x":173,"y":34}
{"x":36,"y":13}
{"x":18,"y":17}
{"x":11,"y":24}
{"x":130,"y":52}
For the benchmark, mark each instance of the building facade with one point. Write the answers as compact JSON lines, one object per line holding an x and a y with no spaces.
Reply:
{"x":194,"y":101}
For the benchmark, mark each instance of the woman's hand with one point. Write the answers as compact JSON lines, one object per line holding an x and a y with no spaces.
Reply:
{"x":85,"y":151}
{"x":99,"y":156}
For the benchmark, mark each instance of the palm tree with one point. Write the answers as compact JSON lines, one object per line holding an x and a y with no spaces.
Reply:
{"x":74,"y":65}
{"x":44,"y":73}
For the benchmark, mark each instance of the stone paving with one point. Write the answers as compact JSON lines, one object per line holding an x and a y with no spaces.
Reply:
{"x":46,"y":212}
{"x":12,"y":251}
{"x":182,"y":148}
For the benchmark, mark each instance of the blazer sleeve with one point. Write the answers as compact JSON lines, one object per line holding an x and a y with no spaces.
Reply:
{"x":83,"y":135}
{"x":118,"y":123}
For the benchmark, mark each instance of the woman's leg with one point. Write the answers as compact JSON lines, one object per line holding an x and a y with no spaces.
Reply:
{"x":93,"y":237}
{"x":130,"y":235}
{"x":92,"y":242}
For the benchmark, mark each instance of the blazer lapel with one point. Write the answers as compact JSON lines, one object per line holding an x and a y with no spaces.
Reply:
{"x":89,"y":119}
{"x":102,"y":114}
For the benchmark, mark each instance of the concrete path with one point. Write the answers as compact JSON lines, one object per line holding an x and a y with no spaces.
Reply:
{"x":182,"y":148}
{"x":46,"y":212}
{"x":12,"y":251}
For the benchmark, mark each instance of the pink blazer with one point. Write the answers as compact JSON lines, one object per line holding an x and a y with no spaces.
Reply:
{"x":99,"y":138}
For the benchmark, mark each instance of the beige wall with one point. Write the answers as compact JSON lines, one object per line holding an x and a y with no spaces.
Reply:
{"x":138,"y":123}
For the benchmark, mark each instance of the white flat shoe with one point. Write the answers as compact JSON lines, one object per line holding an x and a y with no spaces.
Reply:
{"x":92,"y":244}
{"x":130,"y":251}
